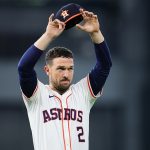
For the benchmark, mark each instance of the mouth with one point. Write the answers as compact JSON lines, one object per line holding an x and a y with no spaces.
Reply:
{"x":65,"y":81}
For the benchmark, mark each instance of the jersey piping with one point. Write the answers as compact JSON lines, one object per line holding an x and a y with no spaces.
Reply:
{"x":62,"y":121}
{"x":89,"y":85}
{"x":69,"y":124}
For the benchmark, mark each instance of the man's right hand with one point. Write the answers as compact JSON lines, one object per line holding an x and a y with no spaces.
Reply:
{"x":54,"y":27}
{"x":53,"y":30}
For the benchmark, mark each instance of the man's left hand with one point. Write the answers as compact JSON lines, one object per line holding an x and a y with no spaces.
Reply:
{"x":90,"y":22}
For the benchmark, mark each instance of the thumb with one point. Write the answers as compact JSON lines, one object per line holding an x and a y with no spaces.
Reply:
{"x":80,"y":27}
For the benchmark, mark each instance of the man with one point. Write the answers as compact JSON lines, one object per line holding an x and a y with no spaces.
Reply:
{"x":59,"y":112}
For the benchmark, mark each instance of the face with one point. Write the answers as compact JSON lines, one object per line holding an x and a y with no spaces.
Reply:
{"x":60,"y":73}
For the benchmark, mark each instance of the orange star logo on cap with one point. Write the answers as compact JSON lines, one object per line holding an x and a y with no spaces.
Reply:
{"x":64,"y":13}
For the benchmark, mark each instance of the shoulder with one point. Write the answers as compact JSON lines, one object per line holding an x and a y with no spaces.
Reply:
{"x":79,"y":84}
{"x":81,"y":87}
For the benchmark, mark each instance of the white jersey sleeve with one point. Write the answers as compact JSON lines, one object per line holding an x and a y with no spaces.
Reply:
{"x":84,"y":87}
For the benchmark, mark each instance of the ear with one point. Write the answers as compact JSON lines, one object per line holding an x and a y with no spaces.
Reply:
{"x":47,"y":69}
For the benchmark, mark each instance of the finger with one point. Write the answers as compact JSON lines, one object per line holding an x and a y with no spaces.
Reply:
{"x":57,"y":21}
{"x":63,"y":26}
{"x":81,"y":10}
{"x":82,"y":13}
{"x":95,"y":16}
{"x":51,"y":17}
{"x":60,"y":24}
{"x":89,"y":14}
{"x":80,"y":27}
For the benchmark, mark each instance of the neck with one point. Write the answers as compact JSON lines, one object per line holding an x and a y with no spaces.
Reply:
{"x":60,"y":91}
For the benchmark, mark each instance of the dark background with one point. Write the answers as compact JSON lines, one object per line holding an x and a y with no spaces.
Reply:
{"x":120,"y":118}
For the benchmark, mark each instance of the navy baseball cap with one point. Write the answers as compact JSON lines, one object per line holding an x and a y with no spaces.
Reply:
{"x":69,"y":14}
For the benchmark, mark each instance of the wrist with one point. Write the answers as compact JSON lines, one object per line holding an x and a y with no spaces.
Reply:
{"x":43,"y":42}
{"x":48,"y":36}
{"x":97,"y":37}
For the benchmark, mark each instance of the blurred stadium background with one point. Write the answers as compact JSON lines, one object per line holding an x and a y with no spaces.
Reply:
{"x":120,"y":118}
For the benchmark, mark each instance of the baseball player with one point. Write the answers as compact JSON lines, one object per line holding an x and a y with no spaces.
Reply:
{"x":59,"y":112}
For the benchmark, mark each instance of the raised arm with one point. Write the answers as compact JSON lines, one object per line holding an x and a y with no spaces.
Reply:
{"x":99,"y":73}
{"x":27,"y":74}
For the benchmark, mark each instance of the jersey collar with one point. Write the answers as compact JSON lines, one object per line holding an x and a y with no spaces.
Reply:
{"x":65,"y":95}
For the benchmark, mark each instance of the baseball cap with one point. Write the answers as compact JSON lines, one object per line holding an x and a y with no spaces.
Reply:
{"x":69,"y":14}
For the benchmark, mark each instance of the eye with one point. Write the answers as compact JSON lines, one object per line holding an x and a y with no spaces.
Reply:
{"x":71,"y":68}
{"x":61,"y":68}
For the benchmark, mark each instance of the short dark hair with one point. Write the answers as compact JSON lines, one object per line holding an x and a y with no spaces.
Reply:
{"x":56,"y":52}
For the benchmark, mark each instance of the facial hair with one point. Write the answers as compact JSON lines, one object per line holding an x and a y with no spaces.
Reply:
{"x":61,"y":88}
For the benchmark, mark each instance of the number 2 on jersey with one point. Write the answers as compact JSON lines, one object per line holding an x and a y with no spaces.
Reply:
{"x":81,"y":133}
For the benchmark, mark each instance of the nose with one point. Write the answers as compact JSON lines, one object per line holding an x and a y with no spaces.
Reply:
{"x":66,"y":73}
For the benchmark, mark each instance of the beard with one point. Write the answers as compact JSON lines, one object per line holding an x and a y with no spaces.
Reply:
{"x":62,"y":89}
{"x":62,"y":86}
